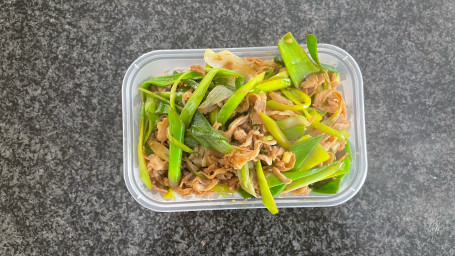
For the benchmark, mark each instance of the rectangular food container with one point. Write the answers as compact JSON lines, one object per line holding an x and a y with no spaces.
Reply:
{"x":156,"y":63}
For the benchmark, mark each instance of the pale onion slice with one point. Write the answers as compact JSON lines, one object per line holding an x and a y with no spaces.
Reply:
{"x":228,"y":60}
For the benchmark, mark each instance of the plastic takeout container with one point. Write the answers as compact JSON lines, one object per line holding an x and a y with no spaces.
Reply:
{"x":156,"y":63}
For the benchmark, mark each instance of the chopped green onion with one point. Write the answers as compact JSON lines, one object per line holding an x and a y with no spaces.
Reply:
{"x":292,"y":121}
{"x":275,"y":131}
{"x":222,"y":189}
{"x":169,"y":194}
{"x":274,"y":181}
{"x":305,"y":181}
{"x":245,"y":180}
{"x":180,"y":145}
{"x":303,"y":149}
{"x":318,"y":156}
{"x":266,"y":195}
{"x":163,"y":81}
{"x":277,"y":82}
{"x":232,"y":103}
{"x":174,"y":89}
{"x":176,"y":130}
{"x":143,"y":173}
{"x":294,"y":132}
{"x":277,"y":190}
{"x":278,"y":106}
{"x":197,"y":97}
{"x":341,"y":135}
{"x":154,"y":95}
{"x":204,"y":133}
{"x":297,"y":62}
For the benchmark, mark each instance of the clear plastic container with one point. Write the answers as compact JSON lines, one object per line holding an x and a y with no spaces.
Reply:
{"x":156,"y":63}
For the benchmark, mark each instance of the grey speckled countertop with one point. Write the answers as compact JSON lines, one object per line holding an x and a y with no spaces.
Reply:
{"x":61,"y":183}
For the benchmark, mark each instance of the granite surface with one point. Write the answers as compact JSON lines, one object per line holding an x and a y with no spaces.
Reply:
{"x":61,"y":184}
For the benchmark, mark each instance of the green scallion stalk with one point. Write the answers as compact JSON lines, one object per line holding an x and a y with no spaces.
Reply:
{"x":321,"y":175}
{"x":275,"y":83}
{"x":278,"y":106}
{"x":176,"y":130}
{"x":174,"y":89}
{"x":266,"y":195}
{"x":292,"y":121}
{"x":232,"y":103}
{"x":319,"y":155}
{"x":275,"y":131}
{"x":341,"y":135}
{"x":197,"y":97}
{"x":181,"y":145}
{"x":143,"y":173}
{"x":163,"y":81}
{"x":297,"y":62}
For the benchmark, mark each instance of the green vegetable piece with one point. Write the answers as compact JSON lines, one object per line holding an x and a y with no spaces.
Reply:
{"x":277,"y":82}
{"x":152,"y":118}
{"x":269,"y":73}
{"x":176,"y":130}
{"x":297,"y":96}
{"x":244,"y":194}
{"x":232,"y":103}
{"x":193,"y":84}
{"x":279,"y":106}
{"x":223,"y":72}
{"x":303,"y":149}
{"x":274,"y":181}
{"x":330,"y":188}
{"x":274,"y":85}
{"x":267,"y":198}
{"x":303,"y":138}
{"x":174,"y":89}
{"x":329,"y":67}
{"x":303,"y":97}
{"x":291,"y":122}
{"x":169,"y":194}
{"x":190,"y":141}
{"x":196,"y":98}
{"x":319,"y":155}
{"x":222,"y":189}
{"x":143,"y":173}
{"x":275,"y":131}
{"x":168,"y":80}
{"x":213,"y":114}
{"x":162,"y":108}
{"x":154,"y":95}
{"x":277,"y":190}
{"x":180,"y":145}
{"x":294,"y":132}
{"x":341,"y":135}
{"x":229,"y":73}
{"x":245,"y":180}
{"x":311,"y":43}
{"x":297,"y":62}
{"x":210,"y":138}
{"x":321,"y":175}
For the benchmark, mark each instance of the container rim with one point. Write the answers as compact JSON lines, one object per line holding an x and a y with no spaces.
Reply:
{"x":282,"y":202}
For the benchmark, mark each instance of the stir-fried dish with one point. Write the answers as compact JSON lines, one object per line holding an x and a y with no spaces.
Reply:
{"x":260,"y":128}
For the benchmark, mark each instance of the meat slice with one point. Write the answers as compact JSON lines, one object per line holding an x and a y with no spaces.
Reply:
{"x":162,"y":126}
{"x":198,"y":68}
{"x":311,"y":83}
{"x":276,"y":96}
